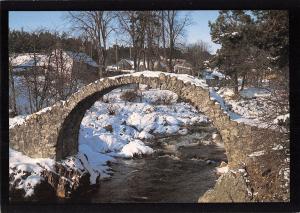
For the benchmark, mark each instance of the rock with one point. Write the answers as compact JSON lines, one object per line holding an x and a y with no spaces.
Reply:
{"x":217,"y":138}
{"x":229,"y":188}
{"x":65,"y":180}
{"x":223,"y":164}
{"x":210,"y":161}
{"x":109,"y":128}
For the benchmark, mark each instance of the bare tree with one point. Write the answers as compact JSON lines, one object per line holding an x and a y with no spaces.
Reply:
{"x":12,"y":89}
{"x":163,"y":31}
{"x":97,"y":25}
{"x":128,"y":23}
{"x":174,"y":29}
{"x":153,"y":34}
{"x":196,"y":53}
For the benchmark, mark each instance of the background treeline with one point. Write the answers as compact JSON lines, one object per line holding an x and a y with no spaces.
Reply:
{"x":43,"y":40}
{"x":21,"y":41}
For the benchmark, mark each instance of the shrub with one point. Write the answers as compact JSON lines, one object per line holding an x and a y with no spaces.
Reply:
{"x":129,"y":95}
{"x":164,"y":99}
{"x":111,"y":109}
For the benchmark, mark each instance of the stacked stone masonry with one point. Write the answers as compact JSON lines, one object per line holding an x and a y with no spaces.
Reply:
{"x":54,"y":133}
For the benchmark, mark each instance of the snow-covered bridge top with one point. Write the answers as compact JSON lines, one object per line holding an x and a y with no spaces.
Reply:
{"x":53,"y":131}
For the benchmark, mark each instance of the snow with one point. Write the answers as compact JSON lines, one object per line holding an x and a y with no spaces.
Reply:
{"x":281,"y":118}
{"x":124,"y":132}
{"x":213,"y":74}
{"x":82,"y":57}
{"x":286,"y":176}
{"x":254,"y":92}
{"x":226,"y":92}
{"x":183,"y":77}
{"x":28,"y":60}
{"x":278,"y":147}
{"x":129,"y":62}
{"x":46,"y":109}
{"x":88,"y":165}
{"x":135,"y":147}
{"x":215,"y":96}
{"x":180,"y":66}
{"x":242,"y":170}
{"x":23,"y":164}
{"x":215,"y":135}
{"x":256,"y":154}
{"x":245,"y":110}
{"x":222,"y":170}
{"x":127,"y":71}
{"x":131,"y":125}
{"x":231,"y":35}
{"x":111,"y":68}
{"x":17,"y":120}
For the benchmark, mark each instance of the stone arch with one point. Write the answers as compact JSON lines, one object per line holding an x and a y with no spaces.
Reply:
{"x":54,"y":133}
{"x":67,"y":141}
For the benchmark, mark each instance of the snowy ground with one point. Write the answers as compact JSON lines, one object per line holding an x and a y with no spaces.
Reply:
{"x":115,"y":128}
{"x":119,"y":128}
{"x":27,"y":170}
{"x":250,"y":107}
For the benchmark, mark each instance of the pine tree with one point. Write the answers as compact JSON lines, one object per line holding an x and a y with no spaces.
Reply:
{"x":232,"y":30}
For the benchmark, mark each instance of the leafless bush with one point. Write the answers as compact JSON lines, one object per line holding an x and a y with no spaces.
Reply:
{"x":129,"y":95}
{"x":109,"y":128}
{"x":111,"y":109}
{"x":164,"y":100}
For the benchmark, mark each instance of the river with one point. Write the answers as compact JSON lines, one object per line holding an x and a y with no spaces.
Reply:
{"x":181,"y":169}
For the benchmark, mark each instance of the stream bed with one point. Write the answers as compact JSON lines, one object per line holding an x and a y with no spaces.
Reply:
{"x":181,"y":169}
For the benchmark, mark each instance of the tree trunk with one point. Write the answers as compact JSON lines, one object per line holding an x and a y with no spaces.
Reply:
{"x":163,"y":34}
{"x":100,"y":65}
{"x":236,"y":84}
{"x":243,"y":82}
{"x":144,"y":59}
{"x":171,"y":56}
{"x":13,"y":90}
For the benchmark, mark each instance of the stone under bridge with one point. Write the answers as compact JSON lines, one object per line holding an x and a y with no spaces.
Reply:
{"x":53,"y":132}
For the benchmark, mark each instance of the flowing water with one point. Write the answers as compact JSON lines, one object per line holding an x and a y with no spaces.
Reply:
{"x":181,"y":170}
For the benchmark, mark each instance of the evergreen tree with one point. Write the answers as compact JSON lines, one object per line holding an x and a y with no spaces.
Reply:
{"x":272,"y":35}
{"x":232,"y":30}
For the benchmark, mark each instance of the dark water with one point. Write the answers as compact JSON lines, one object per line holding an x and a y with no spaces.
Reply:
{"x":181,"y":169}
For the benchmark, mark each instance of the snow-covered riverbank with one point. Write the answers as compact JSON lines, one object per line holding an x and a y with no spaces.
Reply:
{"x":114,"y":127}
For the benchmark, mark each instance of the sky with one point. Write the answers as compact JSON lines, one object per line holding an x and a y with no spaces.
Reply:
{"x":56,"y":20}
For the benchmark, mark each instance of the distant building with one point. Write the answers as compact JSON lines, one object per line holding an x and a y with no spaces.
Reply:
{"x":26,"y":61}
{"x":125,"y":64}
{"x":183,"y":67}
{"x":160,"y":66}
{"x":64,"y":62}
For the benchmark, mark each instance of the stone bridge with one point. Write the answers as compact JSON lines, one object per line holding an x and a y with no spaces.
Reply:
{"x":53,"y":132}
